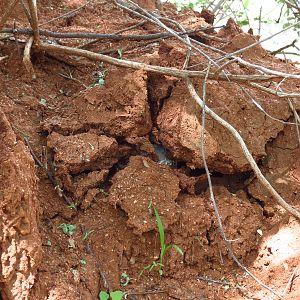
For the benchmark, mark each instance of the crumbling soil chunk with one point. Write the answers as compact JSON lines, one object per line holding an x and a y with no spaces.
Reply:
{"x":142,"y":186}
{"x":20,"y":241}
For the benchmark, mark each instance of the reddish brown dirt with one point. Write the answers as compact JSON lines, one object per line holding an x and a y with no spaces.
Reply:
{"x":120,"y":149}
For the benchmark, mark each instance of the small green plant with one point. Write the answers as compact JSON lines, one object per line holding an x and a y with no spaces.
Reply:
{"x":116,"y":295}
{"x":67,"y":229}
{"x":87,"y":234}
{"x":103,"y":192}
{"x":100,"y":76}
{"x":164,"y":248}
{"x":124,"y":279}
{"x":43,"y":102}
{"x":73,"y":206}
{"x":120,"y":53}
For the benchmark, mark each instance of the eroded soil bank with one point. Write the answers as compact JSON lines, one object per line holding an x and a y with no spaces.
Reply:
{"x":116,"y":143}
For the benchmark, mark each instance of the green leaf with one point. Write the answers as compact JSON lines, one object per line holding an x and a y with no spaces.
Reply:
{"x":87,"y":234}
{"x":178,"y":249}
{"x":43,"y":102}
{"x":116,"y":295}
{"x":243,"y":22}
{"x":124,"y":280}
{"x":101,"y":81}
{"x":67,"y":229}
{"x":246,"y":3}
{"x":161,"y":229}
{"x":103,"y":295}
{"x":120,"y":53}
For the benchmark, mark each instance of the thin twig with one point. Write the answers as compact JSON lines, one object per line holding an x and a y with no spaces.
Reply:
{"x":150,"y":68}
{"x":280,"y":94}
{"x":70,"y":76}
{"x":26,"y":59}
{"x":246,"y":152}
{"x":142,"y":13}
{"x":26,"y":11}
{"x":50,"y":176}
{"x":16,"y":41}
{"x":117,"y":32}
{"x":229,"y":55}
{"x":297,"y":118}
{"x":205,"y":110}
{"x":98,"y":36}
{"x":34,"y":18}
{"x":292,"y":44}
{"x":248,"y":94}
{"x":290,"y":282}
{"x":214,"y":281}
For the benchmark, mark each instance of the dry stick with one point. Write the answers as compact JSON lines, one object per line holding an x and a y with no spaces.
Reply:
{"x":92,"y":35}
{"x":117,"y":32}
{"x":156,"y":21}
{"x":246,"y":152}
{"x":229,"y":55}
{"x":3,"y":57}
{"x":7,"y":13}
{"x":27,"y":60}
{"x":34,"y":18}
{"x":246,"y":63}
{"x":248,"y":94}
{"x":290,"y":282}
{"x":50,"y":176}
{"x":214,"y":281}
{"x":187,"y":38}
{"x":150,"y":68}
{"x":236,"y":58}
{"x":292,"y":44}
{"x":16,"y":41}
{"x":26,"y":12}
{"x":205,"y":110}
{"x":280,"y":94}
{"x":297,"y":118}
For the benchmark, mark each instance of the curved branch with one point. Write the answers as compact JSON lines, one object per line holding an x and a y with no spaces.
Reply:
{"x":247,"y":153}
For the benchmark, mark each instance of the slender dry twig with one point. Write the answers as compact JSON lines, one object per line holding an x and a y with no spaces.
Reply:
{"x":297,"y":118}
{"x":214,"y":281}
{"x":16,"y":41}
{"x":248,"y":94}
{"x":205,"y":109}
{"x":3,"y":57}
{"x":50,"y":176}
{"x":26,"y":11}
{"x":229,"y":55}
{"x":292,"y":44}
{"x":290,"y":282}
{"x":26,"y":58}
{"x":117,"y":32}
{"x":150,"y":68}
{"x":142,"y":13}
{"x":70,"y":77}
{"x":7,"y":13}
{"x":98,"y":36}
{"x":34,"y":19}
{"x":246,"y":152}
{"x":280,"y":94}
